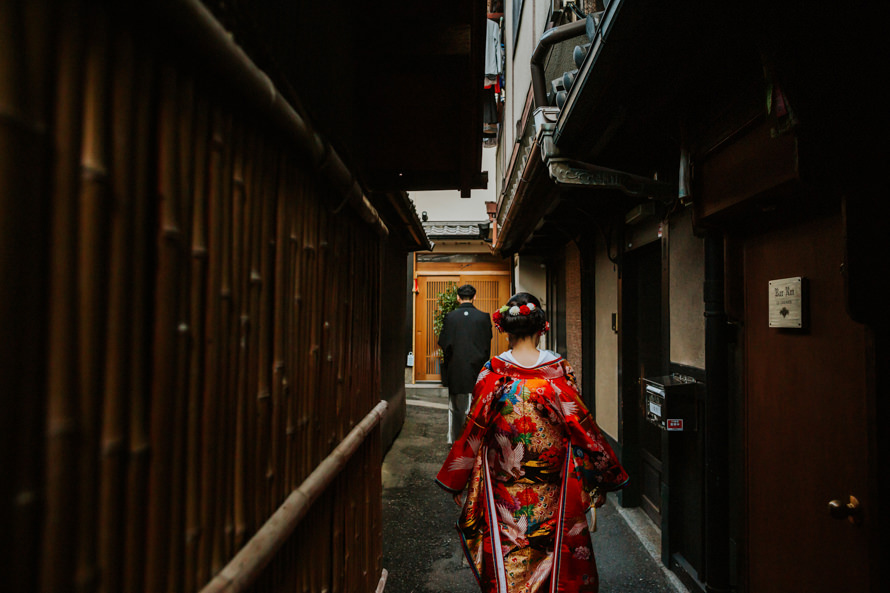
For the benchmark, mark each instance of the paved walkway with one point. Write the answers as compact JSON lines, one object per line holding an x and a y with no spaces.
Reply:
{"x":420,"y":545}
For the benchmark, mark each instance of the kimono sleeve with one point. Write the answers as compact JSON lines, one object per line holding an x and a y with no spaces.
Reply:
{"x":458,"y":466}
{"x":595,"y":461}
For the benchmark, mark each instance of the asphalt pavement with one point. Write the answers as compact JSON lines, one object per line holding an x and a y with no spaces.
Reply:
{"x":421,"y":549}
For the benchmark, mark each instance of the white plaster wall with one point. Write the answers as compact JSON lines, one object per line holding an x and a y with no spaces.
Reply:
{"x":518,"y":71}
{"x":606,"y":303}
{"x":530,"y":275}
{"x":448,"y":205}
{"x":687,"y":277}
{"x":508,"y":125}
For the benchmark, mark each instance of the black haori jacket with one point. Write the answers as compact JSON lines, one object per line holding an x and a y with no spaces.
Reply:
{"x":466,"y":346}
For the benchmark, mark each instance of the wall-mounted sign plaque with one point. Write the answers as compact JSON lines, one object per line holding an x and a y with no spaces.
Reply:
{"x":786,"y":302}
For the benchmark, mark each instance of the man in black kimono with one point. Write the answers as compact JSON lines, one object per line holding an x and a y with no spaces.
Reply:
{"x":466,"y":346}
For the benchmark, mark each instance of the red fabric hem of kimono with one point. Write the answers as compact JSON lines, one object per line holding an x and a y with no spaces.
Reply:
{"x":447,"y":488}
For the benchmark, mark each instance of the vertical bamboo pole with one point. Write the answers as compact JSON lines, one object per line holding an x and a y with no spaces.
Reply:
{"x":280,"y":330}
{"x":354,"y":241}
{"x":211,"y":437}
{"x":365,"y":300}
{"x":238,"y":460}
{"x":280,"y":478}
{"x":330,"y":393}
{"x":183,"y":184}
{"x":63,"y":422}
{"x":300,"y":404}
{"x":91,"y":292}
{"x":138,"y":349}
{"x":316,"y":273}
{"x":376,"y":392}
{"x":260,"y":389}
{"x":267,"y":241}
{"x":164,"y":339}
{"x":221,"y":292}
{"x":225,"y":517}
{"x":339,"y":323}
{"x":117,"y":369}
{"x":253,"y":286}
{"x":197,"y":359}
{"x":26,"y":85}
{"x":338,"y":555}
{"x":318,"y":425}
{"x":330,"y":300}
{"x":301,"y":217}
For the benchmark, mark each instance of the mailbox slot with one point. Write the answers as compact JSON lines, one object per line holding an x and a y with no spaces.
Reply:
{"x":669,"y":402}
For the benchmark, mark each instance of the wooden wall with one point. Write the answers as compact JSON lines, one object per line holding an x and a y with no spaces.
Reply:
{"x":187,"y":327}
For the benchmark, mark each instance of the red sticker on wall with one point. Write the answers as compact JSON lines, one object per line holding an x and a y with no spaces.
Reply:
{"x":675,"y":424}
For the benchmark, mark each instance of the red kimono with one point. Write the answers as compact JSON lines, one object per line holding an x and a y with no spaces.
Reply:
{"x":530,"y":455}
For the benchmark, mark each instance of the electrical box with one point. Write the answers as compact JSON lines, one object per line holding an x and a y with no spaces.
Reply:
{"x":669,"y":402}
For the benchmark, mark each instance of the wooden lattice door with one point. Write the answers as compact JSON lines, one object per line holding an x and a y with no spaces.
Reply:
{"x":491,"y":292}
{"x":426,"y":358}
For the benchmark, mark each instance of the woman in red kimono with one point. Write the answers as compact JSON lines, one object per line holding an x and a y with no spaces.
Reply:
{"x":533,"y":462}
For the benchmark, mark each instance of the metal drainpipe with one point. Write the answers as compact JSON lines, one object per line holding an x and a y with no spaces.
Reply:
{"x":716,"y":554}
{"x":550,"y":36}
{"x":195,"y":27}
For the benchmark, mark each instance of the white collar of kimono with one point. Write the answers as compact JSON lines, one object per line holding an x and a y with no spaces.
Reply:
{"x":544,"y":356}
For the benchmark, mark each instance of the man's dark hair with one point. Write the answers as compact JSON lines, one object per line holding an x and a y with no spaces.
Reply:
{"x":466,"y":292}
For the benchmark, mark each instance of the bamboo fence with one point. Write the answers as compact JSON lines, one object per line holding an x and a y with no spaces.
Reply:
{"x":191,"y":327}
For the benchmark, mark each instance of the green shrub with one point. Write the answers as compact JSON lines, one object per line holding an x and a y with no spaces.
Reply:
{"x":446,"y":302}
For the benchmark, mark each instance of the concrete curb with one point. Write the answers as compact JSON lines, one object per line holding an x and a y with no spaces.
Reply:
{"x":650,"y":536}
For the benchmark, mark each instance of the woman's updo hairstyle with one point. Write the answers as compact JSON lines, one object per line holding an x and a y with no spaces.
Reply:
{"x":522,"y":324}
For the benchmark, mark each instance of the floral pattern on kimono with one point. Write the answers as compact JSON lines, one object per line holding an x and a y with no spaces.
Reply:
{"x":529,"y":457}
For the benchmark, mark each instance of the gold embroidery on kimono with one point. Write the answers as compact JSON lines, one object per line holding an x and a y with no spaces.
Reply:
{"x":528,"y":464}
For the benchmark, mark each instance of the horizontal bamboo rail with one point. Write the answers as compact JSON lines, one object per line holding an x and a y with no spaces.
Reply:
{"x":241,"y":572}
{"x":382,"y":583}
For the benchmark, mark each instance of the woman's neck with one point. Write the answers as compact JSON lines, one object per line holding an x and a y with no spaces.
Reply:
{"x":525,"y":350}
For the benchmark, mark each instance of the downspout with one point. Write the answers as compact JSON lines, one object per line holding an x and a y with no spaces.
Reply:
{"x":193,"y":26}
{"x":550,"y":37}
{"x":716,"y":426}
{"x":567,"y":172}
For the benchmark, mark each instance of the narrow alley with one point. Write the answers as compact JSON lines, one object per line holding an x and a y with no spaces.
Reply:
{"x":421,"y":549}
{"x":231,"y":232}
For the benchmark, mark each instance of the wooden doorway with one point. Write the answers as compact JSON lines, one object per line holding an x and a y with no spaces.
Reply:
{"x":426,"y":358}
{"x":642,"y":356}
{"x":492,"y":291}
{"x":807,"y":419}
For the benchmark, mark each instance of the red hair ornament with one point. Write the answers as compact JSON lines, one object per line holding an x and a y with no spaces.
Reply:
{"x":498,"y":316}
